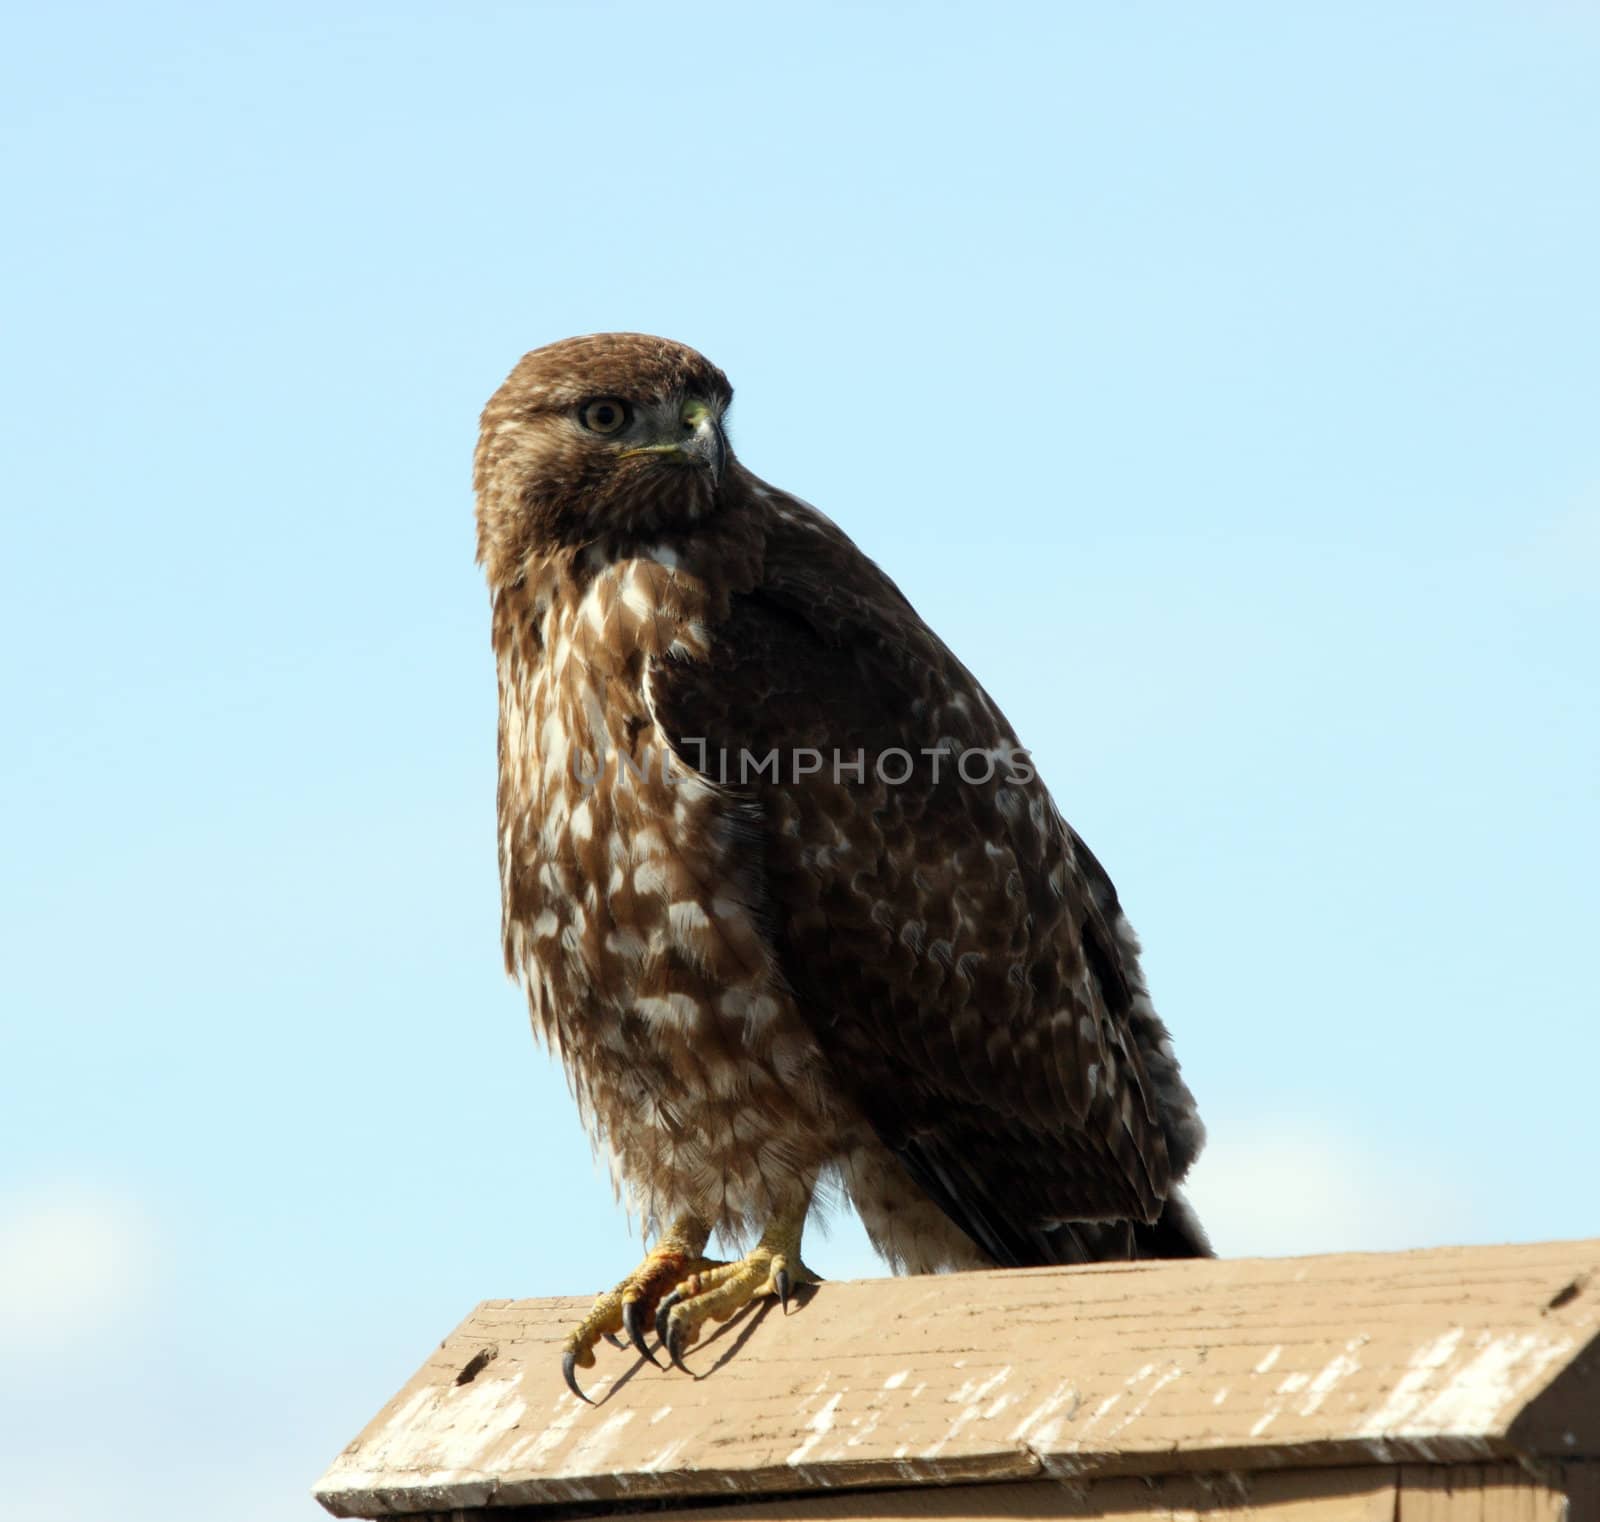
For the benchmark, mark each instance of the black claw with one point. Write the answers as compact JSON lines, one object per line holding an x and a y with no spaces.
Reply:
{"x":615,"y":1341}
{"x":664,"y":1317}
{"x":569,"y":1372}
{"x":632,"y":1324}
{"x":674,"y":1341}
{"x":780,"y":1281}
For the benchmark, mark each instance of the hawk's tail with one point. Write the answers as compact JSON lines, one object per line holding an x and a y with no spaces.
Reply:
{"x":1175,"y":1233}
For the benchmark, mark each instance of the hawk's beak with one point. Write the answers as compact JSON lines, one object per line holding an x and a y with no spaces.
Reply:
{"x":708,"y":445}
{"x":700,"y":442}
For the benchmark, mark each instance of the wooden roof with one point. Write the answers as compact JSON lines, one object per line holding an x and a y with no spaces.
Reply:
{"x":1351,"y":1367}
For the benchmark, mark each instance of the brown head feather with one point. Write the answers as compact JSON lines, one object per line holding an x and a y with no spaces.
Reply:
{"x":544,"y":482}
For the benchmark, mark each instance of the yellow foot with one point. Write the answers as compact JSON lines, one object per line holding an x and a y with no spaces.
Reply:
{"x":628,"y":1308}
{"x":722,"y":1291}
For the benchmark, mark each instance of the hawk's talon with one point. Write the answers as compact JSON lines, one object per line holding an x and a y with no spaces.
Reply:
{"x":772,"y":1268}
{"x":630,"y":1307}
{"x":633,"y":1324}
{"x":664,"y":1316}
{"x":675,"y":1345}
{"x":677,"y":1291}
{"x":569,"y":1372}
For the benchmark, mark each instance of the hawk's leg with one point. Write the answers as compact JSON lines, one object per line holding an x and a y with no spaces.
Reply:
{"x":772,"y":1267}
{"x":629,"y":1307}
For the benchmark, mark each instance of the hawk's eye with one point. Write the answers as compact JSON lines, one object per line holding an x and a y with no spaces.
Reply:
{"x":606,"y":414}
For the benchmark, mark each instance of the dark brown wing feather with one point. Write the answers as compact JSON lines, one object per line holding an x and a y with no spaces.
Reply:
{"x":949,"y":941}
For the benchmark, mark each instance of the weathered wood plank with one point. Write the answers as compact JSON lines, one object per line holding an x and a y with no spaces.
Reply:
{"x":1332,"y":1495}
{"x":1067,"y":1373}
{"x":1481,"y":1493}
{"x":1412,"y":1493}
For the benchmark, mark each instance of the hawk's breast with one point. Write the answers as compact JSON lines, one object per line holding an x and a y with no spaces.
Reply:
{"x":630,"y":912}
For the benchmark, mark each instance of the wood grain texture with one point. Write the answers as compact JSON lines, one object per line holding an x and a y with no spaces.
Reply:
{"x":1390,"y":1493}
{"x":1333,"y":1495}
{"x":1482,"y":1493}
{"x":1155,"y":1369}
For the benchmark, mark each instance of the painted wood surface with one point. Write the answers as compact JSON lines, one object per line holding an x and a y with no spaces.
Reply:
{"x":1445,"y":1356}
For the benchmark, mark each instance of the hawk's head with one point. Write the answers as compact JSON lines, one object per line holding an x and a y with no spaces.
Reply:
{"x":595,"y":438}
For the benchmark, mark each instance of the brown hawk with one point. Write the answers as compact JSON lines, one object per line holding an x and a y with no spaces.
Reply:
{"x":787,"y":899}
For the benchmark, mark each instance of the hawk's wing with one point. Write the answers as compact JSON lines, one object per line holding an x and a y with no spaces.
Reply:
{"x":958,"y":952}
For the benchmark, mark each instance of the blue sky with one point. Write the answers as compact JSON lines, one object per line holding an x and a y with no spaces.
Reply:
{"x":1220,"y":381}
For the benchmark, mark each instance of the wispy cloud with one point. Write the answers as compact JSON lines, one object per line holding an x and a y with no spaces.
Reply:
{"x":1274,"y":1190}
{"x":72,"y":1261}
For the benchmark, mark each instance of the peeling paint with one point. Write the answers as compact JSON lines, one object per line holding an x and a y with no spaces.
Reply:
{"x":1046,"y":1436}
{"x":1339,"y":1367}
{"x":591,"y":1454}
{"x":1157,"y":1386}
{"x":1415,"y":1386}
{"x":1472,"y":1397}
{"x":969,"y":1395}
{"x":860,"y":1432}
{"x":820,"y":1425}
{"x":1046,"y":1408}
{"x":1098,"y":1415}
{"x":1409,"y":1389}
{"x":967,"y":1392}
{"x":963,"y":1419}
{"x":532,"y":1452}
{"x":437,"y":1438}
{"x":666,"y":1457}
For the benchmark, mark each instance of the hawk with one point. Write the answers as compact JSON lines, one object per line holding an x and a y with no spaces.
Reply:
{"x":787,"y":898}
